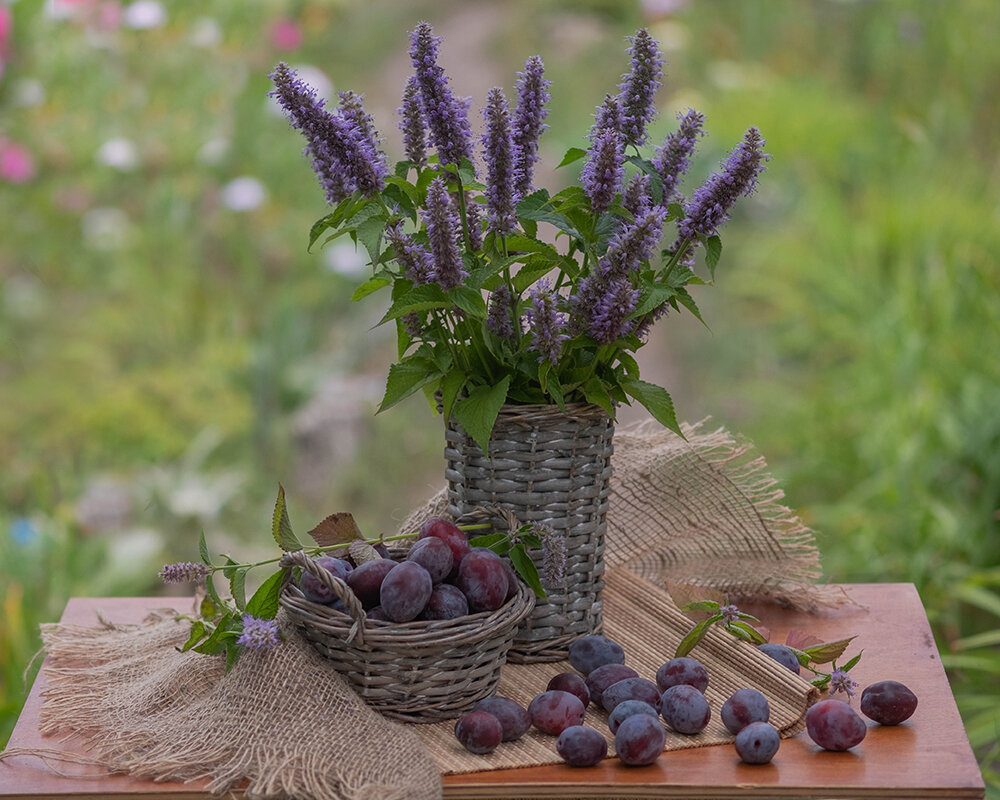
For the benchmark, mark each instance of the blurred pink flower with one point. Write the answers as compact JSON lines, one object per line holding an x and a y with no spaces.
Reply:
{"x":286,"y":34}
{"x":6,"y":25}
{"x":16,"y":163}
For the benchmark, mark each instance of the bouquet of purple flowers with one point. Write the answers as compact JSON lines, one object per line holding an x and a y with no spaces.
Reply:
{"x":488,"y":311}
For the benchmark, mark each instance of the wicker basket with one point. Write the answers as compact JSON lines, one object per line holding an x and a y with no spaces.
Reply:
{"x":548,"y":467}
{"x":422,"y":671}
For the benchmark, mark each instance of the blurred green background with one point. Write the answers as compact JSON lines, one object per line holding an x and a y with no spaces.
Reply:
{"x":169,"y":351}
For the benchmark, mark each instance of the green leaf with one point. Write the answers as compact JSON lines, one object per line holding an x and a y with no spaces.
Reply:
{"x":405,"y":378}
{"x":478,"y":412}
{"x":685,"y":299}
{"x":490,"y":540}
{"x":533,"y":201}
{"x":555,"y":391}
{"x":420,"y":298}
{"x":197,"y":634}
{"x":237,"y":586}
{"x":213,"y":594}
{"x":675,"y":211}
{"x":745,"y":631}
{"x":852,"y":663}
{"x":369,"y":234}
{"x":451,"y":385}
{"x":713,"y":250}
{"x":573,"y":154}
{"x":656,"y":401}
{"x":264,"y":603}
{"x":369,"y":286}
{"x":206,"y":559}
{"x":828,"y":651}
{"x":525,"y":567}
{"x":233,"y":653}
{"x":701,"y":605}
{"x":654,"y":295}
{"x":695,"y":635}
{"x":596,"y":393}
{"x":531,"y":272}
{"x":281,"y":527}
{"x":208,"y":609}
{"x":215,"y":643}
{"x":469,"y":300}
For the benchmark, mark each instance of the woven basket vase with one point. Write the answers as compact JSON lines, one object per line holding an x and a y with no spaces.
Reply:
{"x":421,"y":671}
{"x":547,"y":467}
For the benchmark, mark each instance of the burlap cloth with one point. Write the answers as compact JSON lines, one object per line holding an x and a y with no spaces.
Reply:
{"x":284,"y":725}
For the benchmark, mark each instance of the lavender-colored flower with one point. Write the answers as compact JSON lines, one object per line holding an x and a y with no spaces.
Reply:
{"x":447,"y":117}
{"x":602,"y":174}
{"x":415,"y":259}
{"x":609,"y":320}
{"x":546,"y":323}
{"x":529,"y":116}
{"x":411,"y":122}
{"x":711,"y":203}
{"x":609,"y":115}
{"x":636,"y":199}
{"x":633,"y":244}
{"x":443,"y":226}
{"x":673,"y":157}
{"x":473,"y":224}
{"x":730,"y":613}
{"x":840,"y":681}
{"x":259,"y":634}
{"x":344,"y":157}
{"x":553,"y":555}
{"x":498,"y":152}
{"x":639,"y":86}
{"x":500,"y":317}
{"x":184,"y":572}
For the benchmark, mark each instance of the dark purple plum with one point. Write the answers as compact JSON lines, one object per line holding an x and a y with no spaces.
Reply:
{"x":629,"y":689}
{"x":405,"y":591}
{"x":433,"y":555}
{"x":743,"y":707}
{"x":572,"y":683}
{"x":580,"y":746}
{"x":513,"y":581}
{"x":783,"y":655}
{"x":682,"y":670}
{"x":888,"y":702}
{"x":377,"y":613}
{"x":514,"y":718}
{"x":446,"y":602}
{"x":602,"y":677}
{"x":479,"y":732}
{"x":640,"y":740}
{"x":627,"y":709}
{"x":366,"y":580}
{"x":757,"y":743}
{"x":833,"y":725}
{"x":685,"y":709}
{"x":590,"y":652}
{"x":553,"y":711}
{"x":482,"y":579}
{"x":451,"y":534}
{"x":317,"y":592}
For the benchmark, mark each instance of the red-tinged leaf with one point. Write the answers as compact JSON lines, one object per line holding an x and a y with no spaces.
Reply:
{"x":339,"y":528}
{"x":799,"y":639}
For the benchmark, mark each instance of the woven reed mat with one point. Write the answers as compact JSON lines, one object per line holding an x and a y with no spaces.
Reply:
{"x":649,"y":627}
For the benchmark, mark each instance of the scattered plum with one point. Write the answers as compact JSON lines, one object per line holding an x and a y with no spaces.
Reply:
{"x":757,"y":743}
{"x":743,"y":707}
{"x":553,"y":711}
{"x":640,"y":740}
{"x":405,"y":591}
{"x":627,"y":709}
{"x":479,"y":732}
{"x":571,"y":682}
{"x":834,"y":725}
{"x":590,"y":652}
{"x":629,"y":689}
{"x":685,"y":709}
{"x":888,"y":702}
{"x":783,"y":655}
{"x":580,"y":746}
{"x":514,"y":718}
{"x":602,"y":677}
{"x":682,"y":669}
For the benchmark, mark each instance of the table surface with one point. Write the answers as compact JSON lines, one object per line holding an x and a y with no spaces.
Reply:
{"x":926,"y":757}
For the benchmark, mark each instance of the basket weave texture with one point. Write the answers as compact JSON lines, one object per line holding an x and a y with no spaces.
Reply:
{"x":553,"y":468}
{"x":421,"y":671}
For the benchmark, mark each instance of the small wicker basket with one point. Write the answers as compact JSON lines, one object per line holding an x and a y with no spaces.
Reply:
{"x":421,"y":671}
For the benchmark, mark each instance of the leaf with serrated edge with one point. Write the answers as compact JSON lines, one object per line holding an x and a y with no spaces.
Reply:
{"x":696,"y":634}
{"x":828,"y":651}
{"x":490,"y":540}
{"x":656,"y":401}
{"x":362,"y":552}
{"x":478,"y":412}
{"x":573,"y":154}
{"x":339,"y":528}
{"x":237,"y":586}
{"x":852,"y":663}
{"x":748,"y":632}
{"x":525,"y":568}
{"x":281,"y":527}
{"x":206,"y":559}
{"x":264,"y":603}
{"x":197,"y":634}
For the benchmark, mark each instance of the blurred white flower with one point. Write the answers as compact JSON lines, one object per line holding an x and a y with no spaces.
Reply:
{"x":23,"y":297}
{"x":144,"y":14}
{"x":243,"y":194}
{"x":344,"y":258}
{"x":213,"y":151}
{"x":120,"y":154}
{"x":27,"y":92}
{"x":205,"y":32}
{"x":105,"y":228}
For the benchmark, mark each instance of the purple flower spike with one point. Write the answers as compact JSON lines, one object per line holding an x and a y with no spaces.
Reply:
{"x":259,"y":634}
{"x":712,"y":202}
{"x":639,"y":86}
{"x":443,"y":226}
{"x":609,"y":115}
{"x":473,"y":223}
{"x":500,"y":319}
{"x":447,"y":117}
{"x":673,"y":157}
{"x":529,"y":116}
{"x":602,"y":174}
{"x":411,"y":122}
{"x":636,"y":199}
{"x":498,"y":152}
{"x":183,"y":572}
{"x":634,"y":244}
{"x":610,"y":316}
{"x":840,"y":681}
{"x":546,"y":323}
{"x":415,"y":259}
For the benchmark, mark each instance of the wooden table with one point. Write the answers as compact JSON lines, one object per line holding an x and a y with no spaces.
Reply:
{"x":926,"y":757}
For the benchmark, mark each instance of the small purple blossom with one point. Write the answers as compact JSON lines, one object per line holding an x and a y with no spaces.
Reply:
{"x":473,"y":224}
{"x":411,"y":122}
{"x":443,"y":226}
{"x":498,"y":152}
{"x":602,"y":174}
{"x":636,"y":199}
{"x":546,"y":323}
{"x":184,"y":572}
{"x":633,"y":244}
{"x":730,"y":613}
{"x":609,"y":115}
{"x":259,"y":634}
{"x":529,"y":122}
{"x":447,"y":117}
{"x":639,"y":86}
{"x":673,"y":157}
{"x":840,"y":681}
{"x":711,"y":203}
{"x":415,"y":259}
{"x":609,"y":320}
{"x":500,"y":317}
{"x":553,"y":555}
